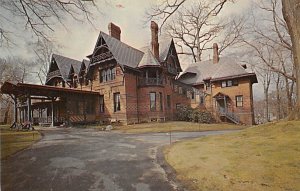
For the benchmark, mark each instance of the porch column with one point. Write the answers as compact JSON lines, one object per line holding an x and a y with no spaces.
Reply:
{"x":225,"y":105}
{"x":29,"y":109}
{"x":52,"y":112}
{"x":157,"y":77}
{"x":15,"y":109}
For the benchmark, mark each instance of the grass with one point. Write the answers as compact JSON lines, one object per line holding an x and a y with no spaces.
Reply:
{"x":14,"y":141}
{"x":174,"y":126}
{"x":265,"y":157}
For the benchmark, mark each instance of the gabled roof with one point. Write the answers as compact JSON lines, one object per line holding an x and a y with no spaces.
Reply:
{"x":123,"y":53}
{"x":76,"y":67}
{"x":64,"y":64}
{"x":226,"y":68}
{"x":148,"y":58}
{"x":86,"y":62}
{"x":164,"y":47}
{"x":129,"y":56}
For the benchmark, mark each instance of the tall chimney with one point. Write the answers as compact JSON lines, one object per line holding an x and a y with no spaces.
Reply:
{"x":216,"y":53}
{"x":154,"y":39}
{"x":114,"y":31}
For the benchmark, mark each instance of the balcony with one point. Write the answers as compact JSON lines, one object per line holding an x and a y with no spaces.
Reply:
{"x":53,"y":74}
{"x":150,"y":81}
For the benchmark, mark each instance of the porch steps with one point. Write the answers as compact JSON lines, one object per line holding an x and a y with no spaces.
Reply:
{"x":231,"y":116}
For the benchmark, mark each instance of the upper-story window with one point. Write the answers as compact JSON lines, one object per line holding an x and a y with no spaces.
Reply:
{"x":208,"y":86}
{"x":229,"y":83}
{"x":239,"y":101}
{"x":107,"y":74}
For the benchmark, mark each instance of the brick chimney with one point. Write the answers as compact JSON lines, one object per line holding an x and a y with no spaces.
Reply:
{"x":114,"y":31}
{"x":215,"y":53}
{"x":154,"y":39}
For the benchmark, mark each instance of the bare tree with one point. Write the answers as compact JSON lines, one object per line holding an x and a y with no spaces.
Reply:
{"x":39,"y":16}
{"x":43,"y":49}
{"x":291,"y":14}
{"x":165,"y":9}
{"x":14,"y":70}
{"x":269,"y":38}
{"x":194,"y":28}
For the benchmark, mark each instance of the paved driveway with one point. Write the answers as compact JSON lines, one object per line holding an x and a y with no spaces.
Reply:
{"x":87,"y":159}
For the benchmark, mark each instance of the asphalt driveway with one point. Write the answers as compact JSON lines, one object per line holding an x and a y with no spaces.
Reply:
{"x":86,"y":159}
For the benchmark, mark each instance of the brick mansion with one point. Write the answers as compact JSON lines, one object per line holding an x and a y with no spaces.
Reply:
{"x":120,"y":83}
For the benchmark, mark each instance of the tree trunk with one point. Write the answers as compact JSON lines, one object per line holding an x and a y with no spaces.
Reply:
{"x":278,"y":101}
{"x":267,"y":115}
{"x":291,"y":14}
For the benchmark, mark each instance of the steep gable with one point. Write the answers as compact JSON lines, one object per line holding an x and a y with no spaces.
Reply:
{"x":124,"y":54}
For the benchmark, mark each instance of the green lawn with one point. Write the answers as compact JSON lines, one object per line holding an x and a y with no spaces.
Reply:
{"x":265,"y":157}
{"x":14,"y":141}
{"x":174,"y":126}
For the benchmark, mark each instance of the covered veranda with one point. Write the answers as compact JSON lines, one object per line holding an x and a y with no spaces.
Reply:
{"x":40,"y":103}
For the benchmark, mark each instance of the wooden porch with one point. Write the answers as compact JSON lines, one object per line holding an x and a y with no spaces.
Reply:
{"x":41,"y":104}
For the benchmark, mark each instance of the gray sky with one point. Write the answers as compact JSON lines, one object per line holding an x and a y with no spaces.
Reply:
{"x":78,"y":39}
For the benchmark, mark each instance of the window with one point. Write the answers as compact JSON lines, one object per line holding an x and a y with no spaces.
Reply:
{"x":201,"y":99}
{"x":108,"y":72}
{"x":169,"y":101}
{"x":101,"y":104}
{"x":207,"y":86}
{"x":161,"y":101}
{"x":117,"y":104}
{"x":229,"y":83}
{"x":152,"y":101}
{"x":107,"y":75}
{"x":239,"y":101}
{"x":103,"y":76}
{"x":177,"y":106}
{"x":113,"y":73}
{"x":224,"y":84}
{"x":235,"y":82}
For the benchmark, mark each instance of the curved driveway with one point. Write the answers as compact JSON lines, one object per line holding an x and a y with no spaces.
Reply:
{"x":87,"y":159}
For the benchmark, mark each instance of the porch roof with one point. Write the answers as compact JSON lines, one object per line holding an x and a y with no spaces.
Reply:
{"x":19,"y":89}
{"x":220,"y":95}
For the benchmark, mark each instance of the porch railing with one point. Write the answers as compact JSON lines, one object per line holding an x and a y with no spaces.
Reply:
{"x":229,"y":115}
{"x":150,"y":81}
{"x":38,"y":120}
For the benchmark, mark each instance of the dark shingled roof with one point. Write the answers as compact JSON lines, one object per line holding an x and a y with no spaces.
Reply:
{"x":123,"y":53}
{"x":164,"y":47}
{"x":64,"y":64}
{"x":226,"y":68}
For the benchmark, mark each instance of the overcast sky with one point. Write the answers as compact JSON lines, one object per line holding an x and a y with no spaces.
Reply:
{"x":78,"y":39}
